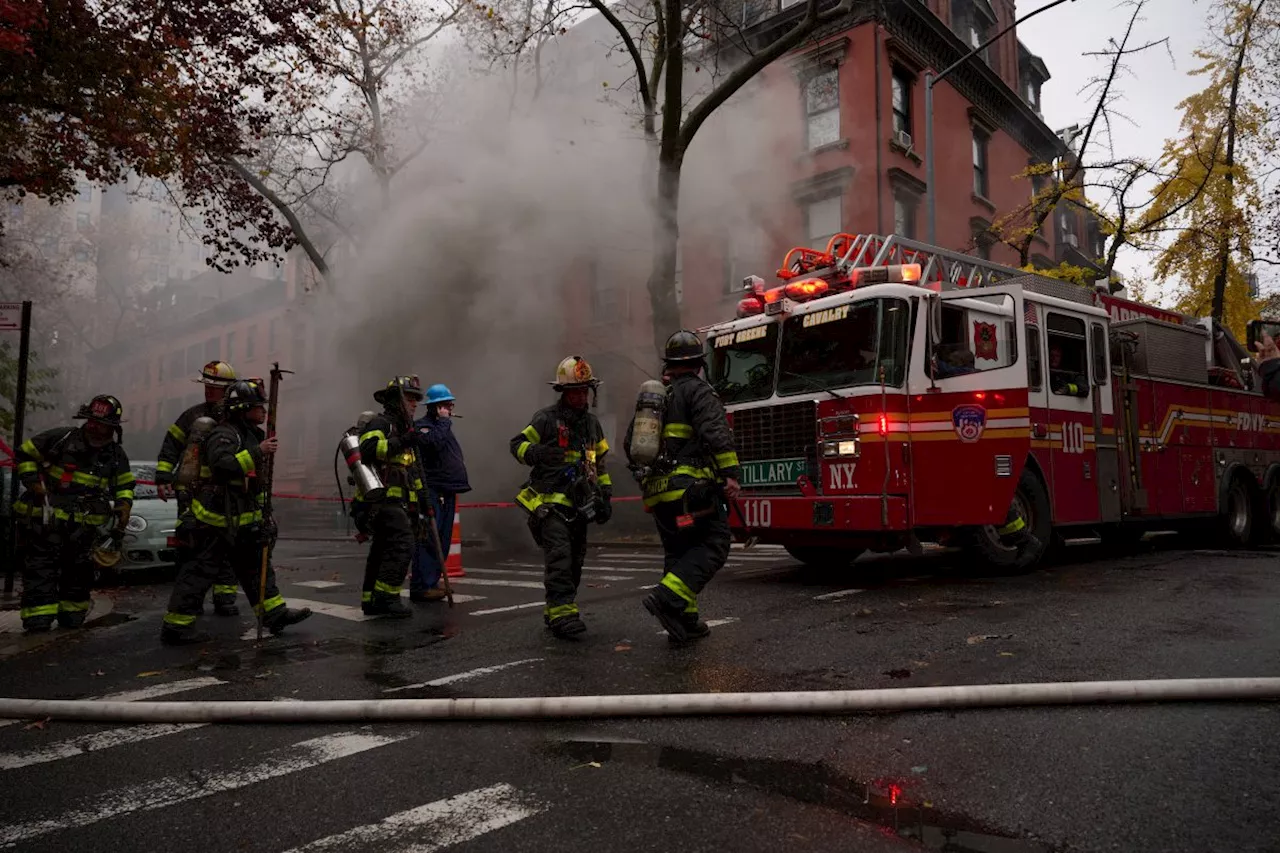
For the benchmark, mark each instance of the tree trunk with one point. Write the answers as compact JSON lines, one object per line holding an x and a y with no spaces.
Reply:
{"x":666,"y":239}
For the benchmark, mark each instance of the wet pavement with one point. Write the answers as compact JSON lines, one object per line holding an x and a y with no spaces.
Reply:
{"x":1191,"y":777}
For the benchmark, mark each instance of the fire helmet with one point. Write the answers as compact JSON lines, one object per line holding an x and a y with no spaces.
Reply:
{"x":574,"y":372}
{"x":439,"y":393}
{"x":217,"y":373}
{"x":408,"y":386}
{"x":104,"y":409}
{"x":243,"y":396}
{"x":682,"y":348}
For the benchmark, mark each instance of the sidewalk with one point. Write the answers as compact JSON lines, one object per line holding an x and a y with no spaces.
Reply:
{"x":13,"y":641}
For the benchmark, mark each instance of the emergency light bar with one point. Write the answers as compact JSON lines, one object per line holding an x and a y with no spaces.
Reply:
{"x":762,"y":301}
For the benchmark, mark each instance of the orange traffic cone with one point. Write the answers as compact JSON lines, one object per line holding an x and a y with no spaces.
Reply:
{"x":453,"y":563}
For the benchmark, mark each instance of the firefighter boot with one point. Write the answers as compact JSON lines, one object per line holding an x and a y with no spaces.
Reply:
{"x":421,"y":596}
{"x":1016,"y":532}
{"x":382,"y":604}
{"x":694,"y":628}
{"x":282,"y":617}
{"x":565,"y":626}
{"x":671,"y":616}
{"x":224,"y":604}
{"x":173,"y":635}
{"x":37,"y":624}
{"x":71,"y":619}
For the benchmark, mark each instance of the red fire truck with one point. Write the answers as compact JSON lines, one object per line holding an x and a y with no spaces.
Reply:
{"x":889,"y":393}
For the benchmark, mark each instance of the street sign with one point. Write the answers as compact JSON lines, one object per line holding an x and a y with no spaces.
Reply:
{"x":773,"y":472}
{"x":10,"y":316}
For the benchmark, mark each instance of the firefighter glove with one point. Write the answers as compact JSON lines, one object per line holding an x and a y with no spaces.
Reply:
{"x":122,"y":512}
{"x":606,"y":506}
{"x":545,"y":454}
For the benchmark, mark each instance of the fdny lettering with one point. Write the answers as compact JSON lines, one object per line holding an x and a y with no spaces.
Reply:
{"x":842,"y":475}
{"x":751,"y":334}
{"x":1119,"y":313}
{"x":722,"y":341}
{"x":1250,"y":422}
{"x":817,"y":318}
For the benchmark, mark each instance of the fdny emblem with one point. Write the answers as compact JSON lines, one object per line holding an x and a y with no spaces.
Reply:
{"x":969,"y":422}
{"x":100,"y":408}
{"x":984,"y":341}
{"x":581,"y":371}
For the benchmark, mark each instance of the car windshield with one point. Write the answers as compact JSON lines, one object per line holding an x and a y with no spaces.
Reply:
{"x":740,"y":363}
{"x":144,"y":472}
{"x":845,"y":345}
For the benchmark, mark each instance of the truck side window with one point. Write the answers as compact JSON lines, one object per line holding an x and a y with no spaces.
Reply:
{"x":978,"y":334}
{"x":1035,"y":377}
{"x":1099,"y":344}
{"x":1068,"y":356}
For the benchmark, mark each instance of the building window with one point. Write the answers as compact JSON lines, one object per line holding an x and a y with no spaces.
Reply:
{"x":973,"y":21}
{"x":822,"y":107}
{"x":823,"y":219}
{"x":195,"y":358}
{"x":272,"y":326}
{"x":213,"y":349}
{"x":1031,"y":92}
{"x":980,"y":178}
{"x":231,"y":345}
{"x":250,"y":338}
{"x":83,"y":222}
{"x":746,"y":247}
{"x":983,"y":237}
{"x":905,"y":205}
{"x":1067,"y":227}
{"x":84,"y":192}
{"x":82,"y":253}
{"x":902,"y":86}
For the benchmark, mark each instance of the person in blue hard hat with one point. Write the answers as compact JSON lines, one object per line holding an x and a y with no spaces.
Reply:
{"x":444,"y":475}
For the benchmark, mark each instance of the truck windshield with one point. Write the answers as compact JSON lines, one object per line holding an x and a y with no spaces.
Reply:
{"x":845,"y":345}
{"x":740,"y":364}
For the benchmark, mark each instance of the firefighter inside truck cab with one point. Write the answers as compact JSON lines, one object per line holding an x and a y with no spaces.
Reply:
{"x":1064,"y":380}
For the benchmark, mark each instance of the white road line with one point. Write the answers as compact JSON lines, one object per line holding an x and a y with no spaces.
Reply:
{"x":353,"y":614}
{"x":319,"y":584}
{"x":752,"y":572}
{"x":594,"y":574}
{"x":194,"y":785}
{"x":462,"y":676}
{"x":458,"y":597}
{"x":284,"y":561}
{"x":437,"y":825}
{"x":840,"y":593}
{"x":142,"y":694}
{"x":515,"y":564}
{"x":712,"y":623}
{"x":97,"y":741}
{"x":496,"y":582}
{"x":510,"y":608}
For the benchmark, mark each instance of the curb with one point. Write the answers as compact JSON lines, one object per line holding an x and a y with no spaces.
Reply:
{"x":13,"y":641}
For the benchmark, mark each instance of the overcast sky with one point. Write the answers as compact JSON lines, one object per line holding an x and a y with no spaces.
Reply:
{"x":1158,"y":78}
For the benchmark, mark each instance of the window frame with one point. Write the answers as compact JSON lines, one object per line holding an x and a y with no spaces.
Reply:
{"x":1035,"y":370}
{"x":816,"y":73}
{"x":981,"y":143}
{"x":1100,"y":351}
{"x":806,"y":207}
{"x":1082,"y":337}
{"x":899,"y":76}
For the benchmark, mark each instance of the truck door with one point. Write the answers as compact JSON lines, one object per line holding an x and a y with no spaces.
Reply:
{"x":1105,"y":434}
{"x":1073,"y":434}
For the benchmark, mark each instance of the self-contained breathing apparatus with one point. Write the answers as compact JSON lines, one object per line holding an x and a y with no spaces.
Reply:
{"x":645,"y":449}
{"x":189,"y":468}
{"x":367,"y":485}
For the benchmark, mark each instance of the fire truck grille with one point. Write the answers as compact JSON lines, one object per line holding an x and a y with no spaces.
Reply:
{"x":775,"y":433}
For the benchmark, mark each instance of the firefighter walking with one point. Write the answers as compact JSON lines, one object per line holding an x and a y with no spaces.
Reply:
{"x":686,"y":487}
{"x":188,"y":429}
{"x":568,"y":487}
{"x":74,"y":480}
{"x":389,"y":445}
{"x":227,"y":528}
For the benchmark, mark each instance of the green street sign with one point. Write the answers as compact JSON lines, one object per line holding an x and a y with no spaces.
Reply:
{"x":773,"y":472}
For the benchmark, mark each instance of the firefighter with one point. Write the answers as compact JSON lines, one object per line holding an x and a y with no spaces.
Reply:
{"x":444,"y":477}
{"x":1268,"y":356}
{"x":389,"y":446}
{"x":74,"y":480}
{"x":568,"y":487}
{"x":686,"y":488}
{"x":1063,"y":380}
{"x":216,"y":377}
{"x":227,"y":528}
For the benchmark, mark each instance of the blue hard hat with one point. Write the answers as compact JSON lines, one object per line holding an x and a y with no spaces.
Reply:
{"x":438,"y":394}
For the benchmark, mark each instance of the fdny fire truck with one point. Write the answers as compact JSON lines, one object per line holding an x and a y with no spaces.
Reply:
{"x":889,"y":393}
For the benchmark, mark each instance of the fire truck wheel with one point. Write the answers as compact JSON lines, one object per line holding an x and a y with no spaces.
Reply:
{"x":1015,"y":553}
{"x":1272,"y":509}
{"x":824,"y":558}
{"x":1235,"y":524}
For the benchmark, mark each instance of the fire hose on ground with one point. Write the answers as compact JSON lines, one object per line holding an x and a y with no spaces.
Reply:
{"x":652,"y":705}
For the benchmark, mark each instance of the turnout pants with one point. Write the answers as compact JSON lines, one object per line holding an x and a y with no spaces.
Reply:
{"x":57,"y":575}
{"x":426,"y":568}
{"x":224,"y":586}
{"x":389,"y":553}
{"x":564,"y":549}
{"x":215,"y":552}
{"x":691,"y":555}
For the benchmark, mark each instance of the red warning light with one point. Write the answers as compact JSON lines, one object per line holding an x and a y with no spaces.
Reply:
{"x":895,"y":791}
{"x":884,"y":424}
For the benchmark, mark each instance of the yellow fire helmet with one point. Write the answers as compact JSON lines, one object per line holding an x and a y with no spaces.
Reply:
{"x":106,"y":553}
{"x":574,"y":372}
{"x":217,"y":373}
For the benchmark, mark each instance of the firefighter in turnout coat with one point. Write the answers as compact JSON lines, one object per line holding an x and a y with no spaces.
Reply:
{"x":74,"y":480}
{"x":568,"y":487}
{"x":389,"y":446}
{"x":227,"y":529}
{"x":686,"y":488}
{"x":216,"y":377}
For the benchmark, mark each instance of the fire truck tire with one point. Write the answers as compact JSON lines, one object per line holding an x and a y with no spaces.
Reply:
{"x":1235,"y":523}
{"x":1271,"y":510}
{"x":816,"y":557}
{"x":1033,"y":502}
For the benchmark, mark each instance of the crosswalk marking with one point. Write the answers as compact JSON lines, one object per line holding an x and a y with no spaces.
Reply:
{"x":840,"y":593}
{"x":509,"y":608}
{"x":151,"y":691}
{"x":712,"y":623}
{"x":461,"y":676}
{"x":594,"y":568}
{"x":496,"y":582}
{"x":193,"y":785}
{"x":90,"y":743}
{"x":436,"y":825}
{"x":319,"y":584}
{"x":594,"y":575}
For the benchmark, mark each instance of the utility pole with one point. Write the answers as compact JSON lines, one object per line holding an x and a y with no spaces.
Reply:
{"x":931,"y":80}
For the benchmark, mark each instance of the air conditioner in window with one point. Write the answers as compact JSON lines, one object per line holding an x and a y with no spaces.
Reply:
{"x":902,"y":138}
{"x":1072,"y":240}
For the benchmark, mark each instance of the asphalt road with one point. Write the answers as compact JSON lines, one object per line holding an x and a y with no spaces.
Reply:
{"x":1193,"y":777}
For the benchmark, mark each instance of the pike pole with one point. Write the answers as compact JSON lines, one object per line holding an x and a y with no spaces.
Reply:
{"x":268,"y":468}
